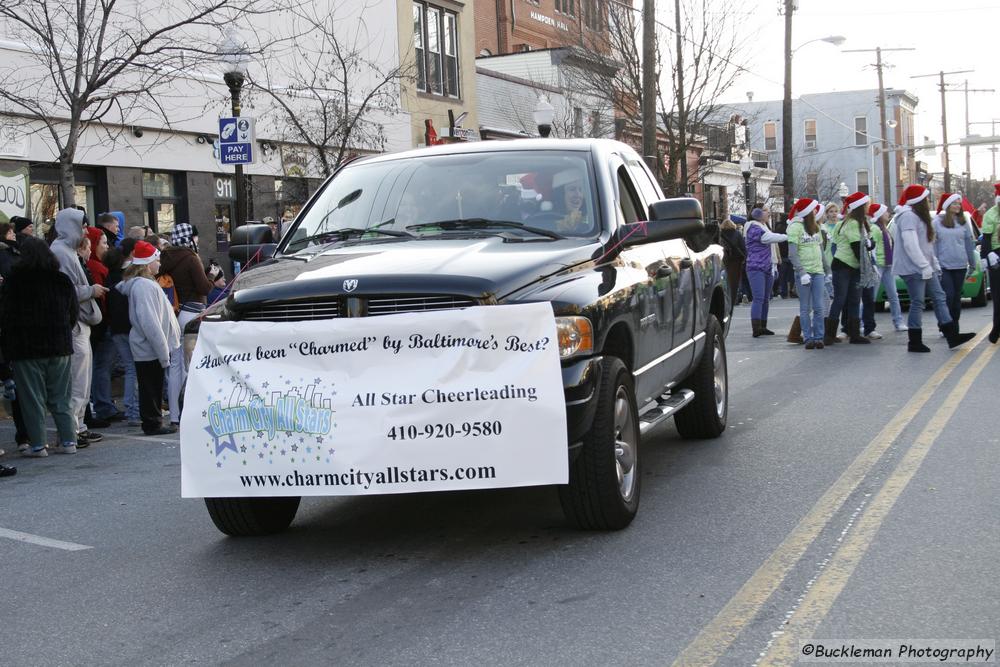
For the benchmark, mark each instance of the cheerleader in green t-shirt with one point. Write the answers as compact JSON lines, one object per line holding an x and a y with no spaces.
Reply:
{"x":850,"y":235}
{"x":805,"y":250}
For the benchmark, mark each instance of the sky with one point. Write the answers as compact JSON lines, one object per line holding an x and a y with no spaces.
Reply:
{"x":948,"y":35}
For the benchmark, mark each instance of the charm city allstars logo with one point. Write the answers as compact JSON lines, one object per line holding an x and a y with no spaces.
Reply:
{"x":289,"y":412}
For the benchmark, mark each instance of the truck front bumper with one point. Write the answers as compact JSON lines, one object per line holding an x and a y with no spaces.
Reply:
{"x":580,"y":384}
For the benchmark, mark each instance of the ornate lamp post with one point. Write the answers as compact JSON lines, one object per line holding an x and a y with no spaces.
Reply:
{"x":746,"y":166}
{"x":234,"y":55}
{"x":543,"y":115}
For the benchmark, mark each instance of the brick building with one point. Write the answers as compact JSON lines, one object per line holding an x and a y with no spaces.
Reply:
{"x":515,"y":26}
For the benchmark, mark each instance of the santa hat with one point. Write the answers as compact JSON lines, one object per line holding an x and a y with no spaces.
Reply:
{"x":802,"y":208}
{"x":856,"y":199}
{"x":876,"y":211}
{"x":144,"y":253}
{"x":996,"y":191}
{"x":913,"y":194}
{"x":946,"y":200}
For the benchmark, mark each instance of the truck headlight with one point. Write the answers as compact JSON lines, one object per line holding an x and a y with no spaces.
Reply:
{"x":576,"y":336}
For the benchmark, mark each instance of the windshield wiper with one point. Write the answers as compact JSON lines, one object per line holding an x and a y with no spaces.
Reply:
{"x":345,"y":233}
{"x":486,"y":223}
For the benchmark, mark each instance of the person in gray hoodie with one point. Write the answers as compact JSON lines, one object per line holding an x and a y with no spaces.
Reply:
{"x":155,"y":336}
{"x":69,"y":235}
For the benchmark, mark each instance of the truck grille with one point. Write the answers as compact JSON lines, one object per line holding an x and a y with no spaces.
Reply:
{"x":337,"y":306}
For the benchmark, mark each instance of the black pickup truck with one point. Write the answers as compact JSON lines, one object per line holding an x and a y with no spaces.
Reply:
{"x":635,"y":281}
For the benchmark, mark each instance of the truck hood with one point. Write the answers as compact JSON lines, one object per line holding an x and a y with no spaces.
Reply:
{"x":482,"y":268}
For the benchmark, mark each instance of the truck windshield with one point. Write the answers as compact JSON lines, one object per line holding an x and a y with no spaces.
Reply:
{"x":548,"y":191}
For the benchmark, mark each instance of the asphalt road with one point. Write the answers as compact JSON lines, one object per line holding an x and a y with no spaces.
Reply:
{"x":854,"y":496}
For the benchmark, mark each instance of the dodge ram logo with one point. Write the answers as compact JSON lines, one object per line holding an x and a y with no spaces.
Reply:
{"x":350,"y":285}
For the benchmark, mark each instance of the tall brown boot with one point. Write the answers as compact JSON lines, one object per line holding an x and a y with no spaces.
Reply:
{"x":795,"y":333}
{"x":830,"y":331}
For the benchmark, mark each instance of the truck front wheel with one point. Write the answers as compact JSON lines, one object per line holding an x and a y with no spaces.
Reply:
{"x":244,"y":517}
{"x":603,"y":489}
{"x":705,"y":416}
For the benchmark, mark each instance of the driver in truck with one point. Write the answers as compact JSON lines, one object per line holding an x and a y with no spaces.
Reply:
{"x":571,"y":200}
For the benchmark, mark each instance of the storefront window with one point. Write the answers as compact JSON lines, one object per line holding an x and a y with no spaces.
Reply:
{"x":291,"y":195}
{"x":162,"y":196}
{"x":46,"y":200}
{"x":158,"y":184}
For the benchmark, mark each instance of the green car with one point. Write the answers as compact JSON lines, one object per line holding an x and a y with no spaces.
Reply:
{"x":976,"y":288}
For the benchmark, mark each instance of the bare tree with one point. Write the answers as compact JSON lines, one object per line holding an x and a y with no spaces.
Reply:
{"x":101,"y":62}
{"x":327,"y":95}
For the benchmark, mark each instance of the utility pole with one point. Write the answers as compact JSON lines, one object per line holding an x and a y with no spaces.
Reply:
{"x":649,"y":84}
{"x":993,"y":149}
{"x":681,"y":107}
{"x":787,"y":178}
{"x":968,"y":150}
{"x":944,"y":120}
{"x":886,"y":181}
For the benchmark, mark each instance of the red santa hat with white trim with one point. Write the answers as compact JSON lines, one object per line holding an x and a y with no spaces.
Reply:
{"x":144,"y":253}
{"x":913,"y":194}
{"x":856,"y":199}
{"x":946,"y":200}
{"x":802,"y":208}
{"x":876,"y":211}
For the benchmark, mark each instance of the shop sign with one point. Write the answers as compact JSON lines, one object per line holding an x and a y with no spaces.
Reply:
{"x":14,"y":198}
{"x":548,"y":20}
{"x":13,"y":141}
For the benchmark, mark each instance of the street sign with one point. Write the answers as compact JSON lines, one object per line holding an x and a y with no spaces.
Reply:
{"x":236,"y":137}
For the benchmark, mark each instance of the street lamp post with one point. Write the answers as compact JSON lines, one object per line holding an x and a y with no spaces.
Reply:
{"x":787,"y":168}
{"x":543,"y":115}
{"x":843,"y":191}
{"x":746,"y":166}
{"x":233,"y":54}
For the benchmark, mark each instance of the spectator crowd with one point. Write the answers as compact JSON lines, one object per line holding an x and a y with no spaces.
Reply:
{"x":86,"y":305}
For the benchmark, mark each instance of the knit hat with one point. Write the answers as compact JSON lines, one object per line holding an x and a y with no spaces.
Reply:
{"x":856,"y":199}
{"x":946,"y":200}
{"x":802,"y":208}
{"x":757,"y":214}
{"x":144,"y":253}
{"x":996,"y":192}
{"x":95,"y":234}
{"x":20,"y":223}
{"x":876,"y":211}
{"x":913,"y":194}
{"x":184,"y":235}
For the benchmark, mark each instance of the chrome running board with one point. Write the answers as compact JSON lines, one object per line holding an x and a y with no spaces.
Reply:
{"x":666,"y":407}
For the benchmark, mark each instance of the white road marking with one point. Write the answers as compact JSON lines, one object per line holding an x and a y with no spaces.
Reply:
{"x":41,"y":541}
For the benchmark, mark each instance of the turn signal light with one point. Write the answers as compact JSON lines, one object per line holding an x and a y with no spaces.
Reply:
{"x":576,"y":336}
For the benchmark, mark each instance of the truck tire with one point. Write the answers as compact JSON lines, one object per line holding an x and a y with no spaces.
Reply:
{"x":604,"y":480}
{"x":705,"y":416}
{"x":979,"y":301}
{"x":246,"y":517}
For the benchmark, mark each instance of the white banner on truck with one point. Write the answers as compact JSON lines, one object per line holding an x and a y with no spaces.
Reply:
{"x":457,"y":399}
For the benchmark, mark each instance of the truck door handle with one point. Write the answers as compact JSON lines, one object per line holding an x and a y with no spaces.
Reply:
{"x":664,"y":271}
{"x":685,"y":263}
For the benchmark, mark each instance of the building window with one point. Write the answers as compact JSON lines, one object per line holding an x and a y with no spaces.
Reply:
{"x":435,"y":47}
{"x":863,"y":181}
{"x":162,"y":197}
{"x":567,"y":7}
{"x":593,"y":14}
{"x":595,"y":123}
{"x":812,"y":185}
{"x":810,"y":132}
{"x":770,"y":136}
{"x":860,"y":131}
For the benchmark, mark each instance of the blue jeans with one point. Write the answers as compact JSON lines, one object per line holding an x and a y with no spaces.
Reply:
{"x":131,"y":401}
{"x":811,"y":302}
{"x":952,"y":281}
{"x":846,"y":293}
{"x":761,"y":283}
{"x":100,"y":383}
{"x":891,"y":295}
{"x":868,"y":309}
{"x":918,"y":288}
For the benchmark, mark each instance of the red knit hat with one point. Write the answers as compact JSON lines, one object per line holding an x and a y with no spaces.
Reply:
{"x":144,"y":253}
{"x":876,"y":211}
{"x":913,"y":194}
{"x":946,"y":200}
{"x":996,"y":191}
{"x":802,"y":208}
{"x":856,"y":199}
{"x":94,"y":234}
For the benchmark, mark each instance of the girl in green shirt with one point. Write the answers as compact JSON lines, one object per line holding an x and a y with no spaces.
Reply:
{"x":806,"y":252}
{"x":850,"y":234}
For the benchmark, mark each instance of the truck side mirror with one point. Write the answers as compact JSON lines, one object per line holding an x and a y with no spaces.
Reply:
{"x":668,"y":219}
{"x":252,"y":243}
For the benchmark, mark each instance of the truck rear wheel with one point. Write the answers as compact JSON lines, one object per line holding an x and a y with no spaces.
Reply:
{"x":705,"y":416}
{"x":244,"y":517}
{"x":603,"y":489}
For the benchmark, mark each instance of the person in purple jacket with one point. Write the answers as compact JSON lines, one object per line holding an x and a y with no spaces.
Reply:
{"x":762,"y":266}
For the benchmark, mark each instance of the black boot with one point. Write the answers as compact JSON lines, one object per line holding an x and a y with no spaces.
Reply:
{"x":994,"y":336}
{"x":916,"y":343}
{"x":755,"y":325}
{"x":854,"y":331}
{"x":830,"y":331}
{"x":764,"y":331}
{"x":953,"y":336}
